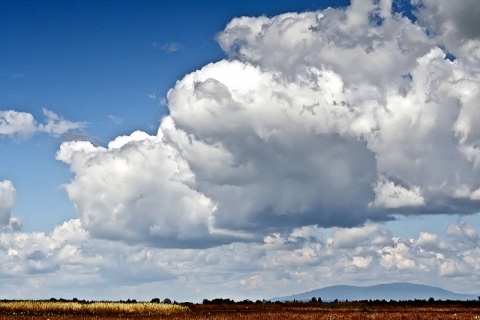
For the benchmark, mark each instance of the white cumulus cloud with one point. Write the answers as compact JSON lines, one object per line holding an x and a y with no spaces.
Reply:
{"x":19,"y":125}
{"x":390,"y":195}
{"x":137,"y":189}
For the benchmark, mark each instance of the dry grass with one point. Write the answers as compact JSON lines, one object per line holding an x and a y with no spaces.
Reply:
{"x":95,"y":308}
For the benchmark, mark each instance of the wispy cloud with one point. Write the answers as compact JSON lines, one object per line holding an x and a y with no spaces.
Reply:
{"x":115,"y":119}
{"x":79,"y":136}
{"x":163,"y":101}
{"x":56,"y":125}
{"x":168,"y":47}
{"x":13,"y":75}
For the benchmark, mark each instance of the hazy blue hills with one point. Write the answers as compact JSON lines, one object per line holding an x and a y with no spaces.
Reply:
{"x":393,"y":291}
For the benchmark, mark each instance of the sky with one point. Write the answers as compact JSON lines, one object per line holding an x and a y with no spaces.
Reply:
{"x":240,"y":149}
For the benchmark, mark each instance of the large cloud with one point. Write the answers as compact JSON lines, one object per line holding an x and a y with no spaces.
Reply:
{"x":330,"y":118}
{"x":269,"y":152}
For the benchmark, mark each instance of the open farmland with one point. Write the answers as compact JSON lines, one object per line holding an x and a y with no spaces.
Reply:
{"x":258,"y":311}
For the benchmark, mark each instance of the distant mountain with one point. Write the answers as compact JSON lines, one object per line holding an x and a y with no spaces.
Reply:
{"x":393,"y":291}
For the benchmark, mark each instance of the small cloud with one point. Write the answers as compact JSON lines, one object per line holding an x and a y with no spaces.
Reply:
{"x":163,"y":101}
{"x":14,"y":225}
{"x":116,"y":120}
{"x":391,"y":195}
{"x":172,"y":47}
{"x":168,"y":47}
{"x":17,"y":125}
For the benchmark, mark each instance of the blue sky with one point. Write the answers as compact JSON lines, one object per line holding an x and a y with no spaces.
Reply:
{"x":178,"y":137}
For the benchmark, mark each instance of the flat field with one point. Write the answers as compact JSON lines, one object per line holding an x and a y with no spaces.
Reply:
{"x":37,"y":310}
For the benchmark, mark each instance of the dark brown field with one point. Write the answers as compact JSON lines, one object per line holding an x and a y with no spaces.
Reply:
{"x":262,"y":311}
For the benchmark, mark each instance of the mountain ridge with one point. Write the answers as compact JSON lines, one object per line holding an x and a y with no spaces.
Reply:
{"x":391,"y":291}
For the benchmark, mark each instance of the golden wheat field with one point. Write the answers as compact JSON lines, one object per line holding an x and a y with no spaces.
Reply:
{"x":53,"y":308}
{"x":42,"y":310}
